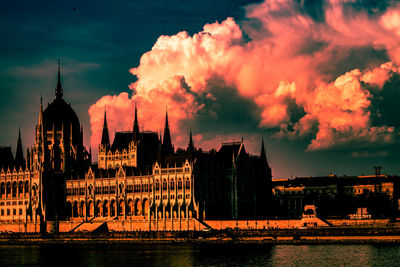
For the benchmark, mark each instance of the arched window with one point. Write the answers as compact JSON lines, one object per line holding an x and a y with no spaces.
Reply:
{"x":172,"y":184}
{"x":157,"y":185}
{"x":14,"y":190}
{"x":180,"y":184}
{"x":8,"y":187}
{"x":26,"y":187}
{"x":121,"y":189}
{"x":34,"y":191}
{"x":187,"y":183}
{"x":2,"y":190}
{"x":20,"y":188}
{"x":164,"y":187}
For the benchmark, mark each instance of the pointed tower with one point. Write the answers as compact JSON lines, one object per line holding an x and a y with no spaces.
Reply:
{"x":263,"y":156}
{"x":190,"y":148}
{"x":39,"y":146}
{"x":105,"y":139}
{"x":104,"y":145}
{"x":19,"y":156}
{"x":135,"y":127}
{"x":59,"y":91}
{"x":167,"y":144}
{"x":262,"y":153}
{"x":263,"y":192}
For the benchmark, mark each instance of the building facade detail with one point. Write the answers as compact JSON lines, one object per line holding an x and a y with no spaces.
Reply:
{"x":138,"y":176}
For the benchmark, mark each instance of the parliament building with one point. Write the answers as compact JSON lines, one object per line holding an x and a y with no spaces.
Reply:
{"x":139,"y":176}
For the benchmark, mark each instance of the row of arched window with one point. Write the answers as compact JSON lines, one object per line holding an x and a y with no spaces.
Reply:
{"x":14,"y":190}
{"x":10,"y":212}
{"x":172,"y":184}
{"x":136,"y":188}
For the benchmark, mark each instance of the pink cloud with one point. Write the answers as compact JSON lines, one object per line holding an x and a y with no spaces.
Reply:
{"x":281,"y":64}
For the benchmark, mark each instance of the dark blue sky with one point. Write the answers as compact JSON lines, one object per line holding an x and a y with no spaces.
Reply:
{"x":99,"y":41}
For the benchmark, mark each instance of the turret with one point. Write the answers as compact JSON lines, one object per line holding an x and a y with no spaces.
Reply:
{"x":105,"y":139}
{"x":190,"y":148}
{"x":59,"y":91}
{"x":263,"y":157}
{"x":19,"y":156}
{"x":167,"y":144}
{"x":135,"y":127}
{"x":262,"y":153}
{"x":39,"y":148}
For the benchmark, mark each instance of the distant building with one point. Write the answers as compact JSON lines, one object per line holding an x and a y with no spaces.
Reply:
{"x":139,"y":176}
{"x":338,"y":197}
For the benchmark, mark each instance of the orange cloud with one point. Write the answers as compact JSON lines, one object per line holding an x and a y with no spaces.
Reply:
{"x":279,"y":65}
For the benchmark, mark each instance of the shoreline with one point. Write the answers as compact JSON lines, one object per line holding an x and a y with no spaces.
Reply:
{"x":316,"y":240}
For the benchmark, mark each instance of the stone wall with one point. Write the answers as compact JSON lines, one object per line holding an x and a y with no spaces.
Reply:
{"x":265,"y":224}
{"x":348,"y":222}
{"x":20,"y":227}
{"x":165,"y":225}
{"x":145,"y":225}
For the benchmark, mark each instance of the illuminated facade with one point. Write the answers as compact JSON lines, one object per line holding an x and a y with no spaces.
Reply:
{"x":138,"y":177}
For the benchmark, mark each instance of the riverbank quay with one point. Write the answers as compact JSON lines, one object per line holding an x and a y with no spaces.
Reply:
{"x":331,"y":235}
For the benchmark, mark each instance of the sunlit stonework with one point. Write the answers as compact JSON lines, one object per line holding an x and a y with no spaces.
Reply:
{"x":140,"y":178}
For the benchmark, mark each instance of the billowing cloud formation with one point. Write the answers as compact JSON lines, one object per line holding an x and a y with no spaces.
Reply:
{"x":304,"y":76}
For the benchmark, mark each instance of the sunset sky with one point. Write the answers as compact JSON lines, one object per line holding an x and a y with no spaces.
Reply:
{"x":319,"y":81}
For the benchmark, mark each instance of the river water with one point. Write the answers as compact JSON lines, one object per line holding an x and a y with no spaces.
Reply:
{"x":204,"y":255}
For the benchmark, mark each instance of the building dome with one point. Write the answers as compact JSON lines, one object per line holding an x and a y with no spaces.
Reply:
{"x":59,"y":113}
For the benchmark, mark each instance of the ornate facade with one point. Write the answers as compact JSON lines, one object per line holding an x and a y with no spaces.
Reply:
{"x":139,"y":176}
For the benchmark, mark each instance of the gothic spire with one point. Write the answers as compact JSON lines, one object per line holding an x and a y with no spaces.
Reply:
{"x":105,"y":139}
{"x":19,"y":156}
{"x":135,"y":126}
{"x":41,"y":111}
{"x":262,"y":153}
{"x":167,"y":144}
{"x":166,"y":118}
{"x":190,"y":145}
{"x":59,"y":91}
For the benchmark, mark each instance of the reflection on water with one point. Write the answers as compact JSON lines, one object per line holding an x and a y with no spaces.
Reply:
{"x":204,"y":255}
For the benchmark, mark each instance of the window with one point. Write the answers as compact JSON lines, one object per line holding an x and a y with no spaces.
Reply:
{"x":8,"y":188}
{"x":105,"y":189}
{"x":2,"y":212}
{"x":137,"y":188}
{"x":20,"y":211}
{"x":187,"y":184}
{"x":14,"y":212}
{"x":180,"y":184}
{"x":129,"y":188}
{"x":157,"y":185}
{"x":145,"y":188}
{"x":164,"y":187}
{"x":8,"y":212}
{"x":112,"y":189}
{"x":172,"y":184}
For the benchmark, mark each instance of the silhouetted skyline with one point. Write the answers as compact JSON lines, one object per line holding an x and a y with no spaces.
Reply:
{"x":317,"y":80}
